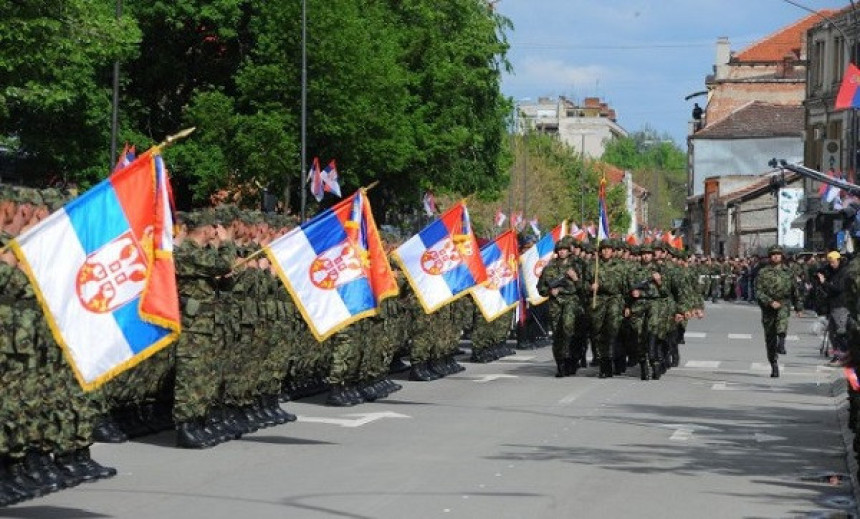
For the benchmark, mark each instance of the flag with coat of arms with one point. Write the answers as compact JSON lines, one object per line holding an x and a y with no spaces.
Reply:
{"x":102,"y":269}
{"x":335,"y":266}
{"x":501,"y":292}
{"x":536,"y":258}
{"x":443,"y":261}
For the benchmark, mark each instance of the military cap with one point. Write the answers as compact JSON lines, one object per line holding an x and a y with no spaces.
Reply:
{"x":564,"y":243}
{"x":775,"y":249}
{"x":606,"y":244}
{"x":646,"y":248}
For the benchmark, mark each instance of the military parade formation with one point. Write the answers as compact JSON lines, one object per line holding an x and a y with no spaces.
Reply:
{"x":245,"y":347}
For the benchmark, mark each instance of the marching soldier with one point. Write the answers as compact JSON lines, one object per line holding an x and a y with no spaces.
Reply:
{"x":776,"y":291}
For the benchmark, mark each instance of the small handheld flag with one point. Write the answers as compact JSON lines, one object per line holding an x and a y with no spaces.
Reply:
{"x":329,"y":179}
{"x":429,"y":202}
{"x":316,"y":180}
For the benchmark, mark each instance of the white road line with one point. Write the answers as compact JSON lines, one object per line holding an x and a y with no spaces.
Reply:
{"x":707,"y":364}
{"x":740,"y":336}
{"x":695,"y":335}
{"x":726,"y":386}
{"x":763,"y":366}
{"x":682,"y":435}
{"x":792,"y":338}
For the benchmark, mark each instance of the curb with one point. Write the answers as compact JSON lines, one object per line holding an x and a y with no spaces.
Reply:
{"x":838,"y":391}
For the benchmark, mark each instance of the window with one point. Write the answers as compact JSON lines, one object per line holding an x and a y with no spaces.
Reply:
{"x":838,"y":58}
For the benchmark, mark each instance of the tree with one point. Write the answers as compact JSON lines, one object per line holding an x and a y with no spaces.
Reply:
{"x":55,"y":99}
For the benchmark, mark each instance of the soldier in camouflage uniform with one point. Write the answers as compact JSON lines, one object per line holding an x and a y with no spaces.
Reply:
{"x":776,"y":291}
{"x":561,"y":283}
{"x":611,"y":285}
{"x":643,"y":313}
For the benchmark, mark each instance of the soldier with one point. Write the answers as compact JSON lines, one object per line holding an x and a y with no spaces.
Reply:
{"x":561,"y":283}
{"x":642,"y":311}
{"x":610,"y":284}
{"x":775,"y":291}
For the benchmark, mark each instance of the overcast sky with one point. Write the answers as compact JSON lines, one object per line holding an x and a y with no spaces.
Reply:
{"x":641,"y":56}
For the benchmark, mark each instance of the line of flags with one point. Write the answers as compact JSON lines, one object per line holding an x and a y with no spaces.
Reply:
{"x":102,"y":266}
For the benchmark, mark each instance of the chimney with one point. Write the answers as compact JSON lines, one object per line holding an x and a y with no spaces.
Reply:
{"x":724,"y":54}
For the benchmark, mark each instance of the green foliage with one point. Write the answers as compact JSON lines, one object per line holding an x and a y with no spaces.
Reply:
{"x":659,"y":166}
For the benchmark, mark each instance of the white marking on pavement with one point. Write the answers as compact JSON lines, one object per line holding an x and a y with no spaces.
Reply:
{"x":740,"y":336}
{"x":518,"y":358}
{"x":695,"y":335}
{"x":490,"y":378}
{"x":725,"y":386}
{"x":681,"y":435}
{"x":763,"y":366}
{"x":361,"y":418}
{"x":762,"y":438}
{"x":710,"y":364}
{"x":792,"y":338}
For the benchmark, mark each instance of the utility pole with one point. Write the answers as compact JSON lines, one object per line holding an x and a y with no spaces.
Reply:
{"x":114,"y":120}
{"x":304,"y":197}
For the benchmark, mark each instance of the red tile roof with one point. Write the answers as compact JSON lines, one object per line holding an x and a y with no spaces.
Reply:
{"x":756,"y":120}
{"x":786,"y":41}
{"x":758,"y":186}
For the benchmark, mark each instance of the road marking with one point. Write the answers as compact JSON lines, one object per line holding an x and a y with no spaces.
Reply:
{"x":740,"y":336}
{"x":792,"y":338}
{"x":361,"y":418}
{"x":708,"y":364}
{"x":490,"y":378}
{"x":763,"y":366}
{"x":518,"y":358}
{"x":695,"y":335}
{"x":765,"y":438}
{"x":681,"y":435}
{"x":726,"y":386}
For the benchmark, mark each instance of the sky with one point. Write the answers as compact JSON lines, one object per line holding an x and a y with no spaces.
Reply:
{"x":641,"y":56}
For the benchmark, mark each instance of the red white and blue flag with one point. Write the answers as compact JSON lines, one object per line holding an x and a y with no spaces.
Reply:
{"x":849,"y":90}
{"x":602,"y":215}
{"x":102,"y":268}
{"x":533,"y":223}
{"x":536,"y":258}
{"x":316,"y":180}
{"x":517,"y":220}
{"x":330,"y":179}
{"x":443,"y":261}
{"x":501,"y":292}
{"x":334,"y":266}
{"x":500,"y":218}
{"x":429,"y":202}
{"x":125,"y":158}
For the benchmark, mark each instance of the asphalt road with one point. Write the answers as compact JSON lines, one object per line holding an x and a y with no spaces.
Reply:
{"x":715,"y":437}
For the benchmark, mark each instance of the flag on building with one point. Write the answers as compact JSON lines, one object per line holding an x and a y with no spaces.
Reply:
{"x":501,"y":292}
{"x":125,"y":158}
{"x":500,"y":218}
{"x":602,"y":215}
{"x":533,"y":223}
{"x":102,"y":269}
{"x":334,"y":266}
{"x":316,"y":180}
{"x":849,"y":90}
{"x":330,"y":179}
{"x":429,"y":202}
{"x":443,"y":261}
{"x":536,"y":258}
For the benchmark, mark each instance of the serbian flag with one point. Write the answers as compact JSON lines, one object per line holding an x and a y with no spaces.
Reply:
{"x":500,"y":218}
{"x":632,"y":240}
{"x":517,"y":220}
{"x":125,"y":158}
{"x":536,"y":258}
{"x":102,"y":269}
{"x":501,"y":292}
{"x":329,"y":179}
{"x":849,"y":93}
{"x":429,"y":202}
{"x":334,"y":266}
{"x":443,"y":261}
{"x":678,"y":242}
{"x":602,"y":216}
{"x":316,"y":180}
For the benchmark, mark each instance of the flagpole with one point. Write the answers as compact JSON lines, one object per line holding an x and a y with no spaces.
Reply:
{"x":304,"y":197}
{"x":173,"y":139}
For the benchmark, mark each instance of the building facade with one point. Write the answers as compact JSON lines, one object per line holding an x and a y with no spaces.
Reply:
{"x":585,"y":126}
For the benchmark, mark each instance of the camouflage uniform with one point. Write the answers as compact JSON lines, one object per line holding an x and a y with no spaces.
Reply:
{"x":607,"y":311}
{"x":775,"y":283}
{"x":563,"y":307}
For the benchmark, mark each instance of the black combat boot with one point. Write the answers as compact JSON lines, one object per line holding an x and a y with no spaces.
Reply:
{"x":368,"y":392}
{"x":780,"y":344}
{"x":107,"y":431}
{"x":19,"y":476}
{"x":418,"y":373}
{"x":774,"y":370}
{"x":48,"y":482}
{"x":192,"y":435}
{"x":49,"y":465}
{"x":560,"y":369}
{"x":95,"y":468}
{"x":339,"y":397}
{"x":11,"y":492}
{"x":644,"y":370}
{"x":676,"y":354}
{"x":570,"y":367}
{"x":605,"y":368}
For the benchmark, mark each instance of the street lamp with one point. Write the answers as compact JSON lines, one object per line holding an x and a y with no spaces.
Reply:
{"x":582,"y":134}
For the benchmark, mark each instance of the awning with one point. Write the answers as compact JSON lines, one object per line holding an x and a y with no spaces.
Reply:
{"x":800,"y":221}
